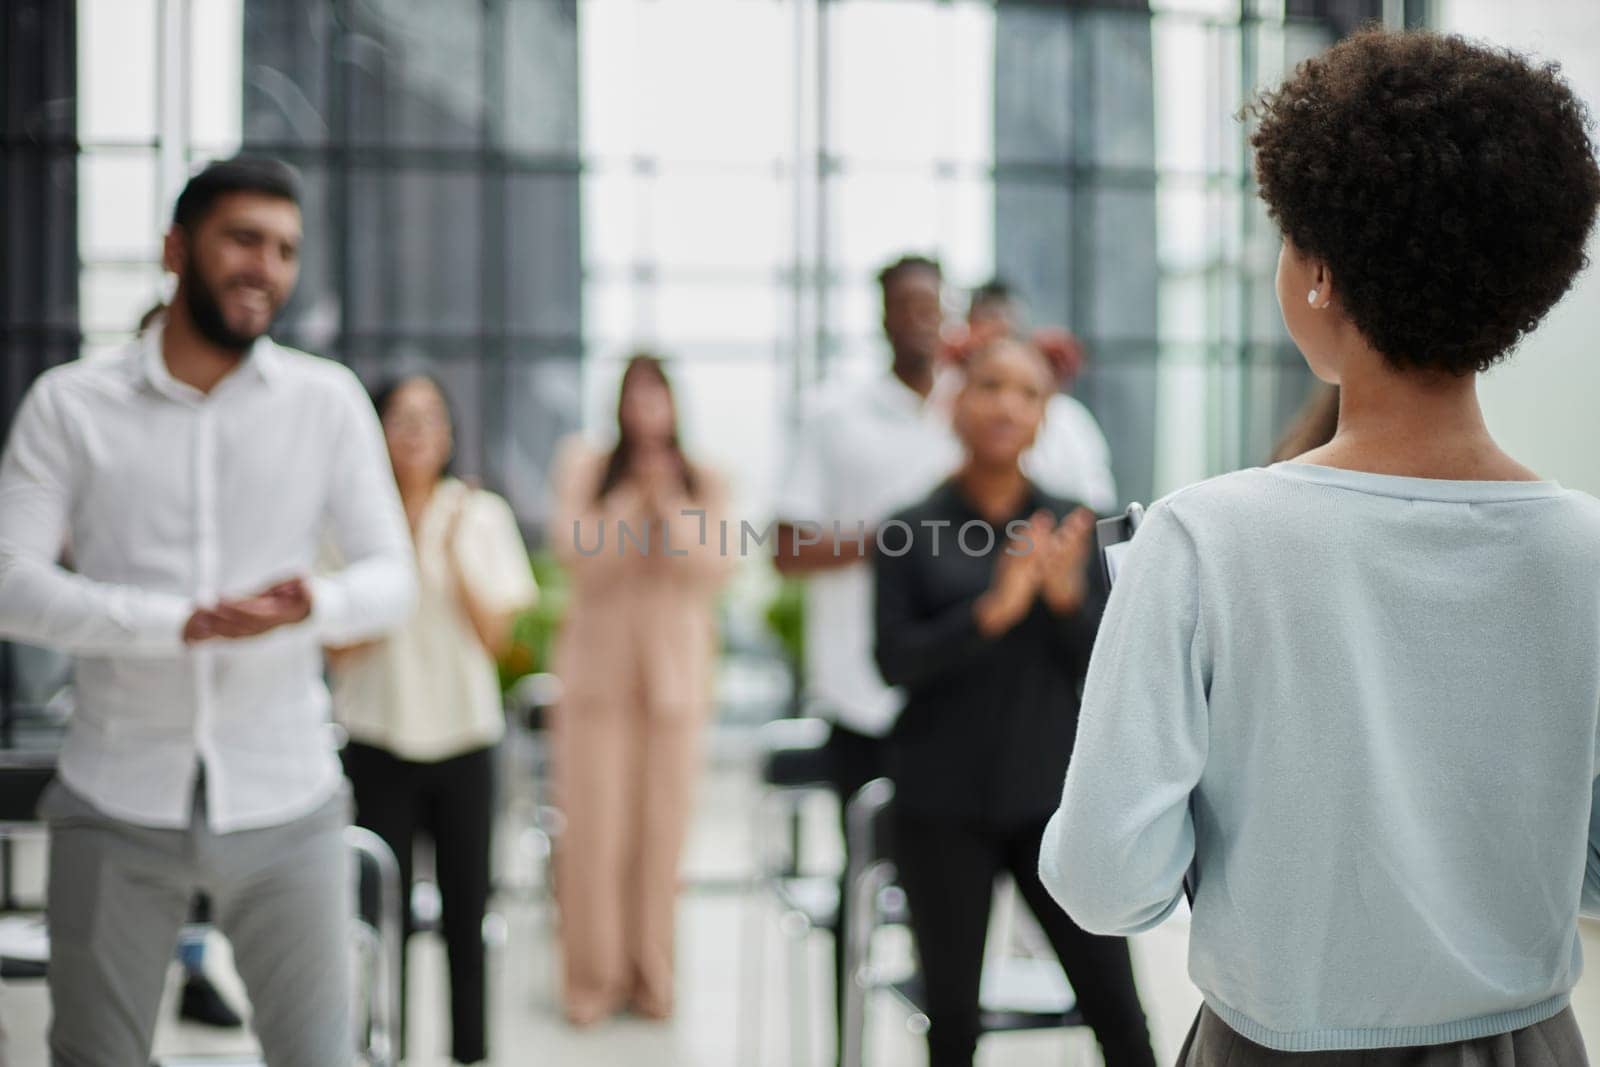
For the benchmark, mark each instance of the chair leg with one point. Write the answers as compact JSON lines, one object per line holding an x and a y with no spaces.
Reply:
{"x":799,"y":999}
{"x":862,"y":919}
{"x":753,"y":977}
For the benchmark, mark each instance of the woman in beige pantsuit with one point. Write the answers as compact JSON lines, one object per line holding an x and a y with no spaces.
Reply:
{"x":638,"y":529}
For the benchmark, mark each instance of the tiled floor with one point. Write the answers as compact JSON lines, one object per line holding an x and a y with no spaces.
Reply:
{"x":714,"y":1024}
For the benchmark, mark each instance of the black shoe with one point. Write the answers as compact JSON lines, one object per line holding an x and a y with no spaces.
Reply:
{"x":204,"y":1005}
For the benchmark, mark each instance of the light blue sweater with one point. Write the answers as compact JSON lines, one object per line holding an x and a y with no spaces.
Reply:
{"x":1365,"y":708}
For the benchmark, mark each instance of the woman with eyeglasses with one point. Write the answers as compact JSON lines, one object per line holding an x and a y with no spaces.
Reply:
{"x":422,"y":707}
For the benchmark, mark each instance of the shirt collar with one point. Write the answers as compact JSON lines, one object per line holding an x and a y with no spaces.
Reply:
{"x":262,"y":364}
{"x":952,"y":499}
{"x":896,"y":396}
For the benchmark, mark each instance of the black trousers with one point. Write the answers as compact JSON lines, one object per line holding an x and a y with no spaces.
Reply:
{"x":947,"y":868}
{"x":450,"y":801}
{"x":854,"y":759}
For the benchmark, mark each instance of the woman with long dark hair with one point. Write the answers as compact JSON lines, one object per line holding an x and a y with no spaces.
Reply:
{"x":422,"y":706}
{"x":637,"y":526}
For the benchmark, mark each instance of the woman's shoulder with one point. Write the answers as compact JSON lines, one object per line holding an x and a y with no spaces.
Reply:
{"x":1220,"y":507}
{"x":575,"y":449}
{"x":577,"y":464}
{"x":478,"y":509}
{"x":1577,"y":522}
{"x":485,"y":503}
{"x":1238,"y":492}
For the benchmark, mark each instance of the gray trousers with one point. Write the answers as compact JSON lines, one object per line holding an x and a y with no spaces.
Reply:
{"x":119,"y":893}
{"x":1555,"y":1042}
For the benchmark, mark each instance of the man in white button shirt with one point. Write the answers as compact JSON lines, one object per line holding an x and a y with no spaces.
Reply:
{"x":194,"y":475}
{"x":863,"y":451}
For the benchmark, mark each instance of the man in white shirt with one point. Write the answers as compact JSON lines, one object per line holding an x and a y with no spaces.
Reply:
{"x":1070,"y":458}
{"x":863,"y":452}
{"x":194,"y":475}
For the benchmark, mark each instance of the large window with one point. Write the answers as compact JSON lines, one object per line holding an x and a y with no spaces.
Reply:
{"x":141,"y":127}
{"x":1228,"y":376}
{"x":737,"y":201}
{"x":439,"y":144}
{"x":516,"y":194}
{"x":39,"y":311}
{"x":738,"y":197}
{"x":1126,"y":210}
{"x":438,"y":147}
{"x":38,"y":195}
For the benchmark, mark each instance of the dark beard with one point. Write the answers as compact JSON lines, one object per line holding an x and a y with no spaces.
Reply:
{"x":206,"y":313}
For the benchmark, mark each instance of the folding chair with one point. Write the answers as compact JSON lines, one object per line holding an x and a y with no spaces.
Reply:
{"x":533,"y":823}
{"x":23,"y":779}
{"x":1021,"y":994}
{"x":378,"y":945}
{"x":794,"y":770}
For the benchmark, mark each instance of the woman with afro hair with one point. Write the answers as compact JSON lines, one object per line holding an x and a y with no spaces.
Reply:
{"x":1351,"y":700}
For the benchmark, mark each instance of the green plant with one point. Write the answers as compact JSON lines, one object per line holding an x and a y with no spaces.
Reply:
{"x":533,"y":634}
{"x":786,"y":618}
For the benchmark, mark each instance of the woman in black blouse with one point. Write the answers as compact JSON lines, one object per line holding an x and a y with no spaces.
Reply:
{"x":986,"y":619}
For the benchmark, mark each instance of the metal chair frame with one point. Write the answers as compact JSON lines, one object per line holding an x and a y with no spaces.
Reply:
{"x":875,"y":901}
{"x":25,"y":775}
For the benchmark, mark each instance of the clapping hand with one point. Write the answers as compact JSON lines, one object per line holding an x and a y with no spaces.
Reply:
{"x":1016,"y":580}
{"x":1062,"y":558}
{"x":660,"y":475}
{"x":283,"y":604}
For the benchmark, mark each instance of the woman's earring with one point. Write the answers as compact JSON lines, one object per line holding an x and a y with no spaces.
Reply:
{"x":1311,"y":298}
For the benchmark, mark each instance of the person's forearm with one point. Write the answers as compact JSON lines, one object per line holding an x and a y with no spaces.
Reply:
{"x":1076,"y":611}
{"x":42,"y":604}
{"x":364,"y":601}
{"x":342,"y":656}
{"x":913,"y":651}
{"x":492,"y":626}
{"x":995,"y":614}
{"x":1066,"y":601}
{"x":817,"y":550}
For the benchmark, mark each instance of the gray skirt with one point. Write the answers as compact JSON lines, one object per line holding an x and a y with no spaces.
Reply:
{"x":1552,"y":1043}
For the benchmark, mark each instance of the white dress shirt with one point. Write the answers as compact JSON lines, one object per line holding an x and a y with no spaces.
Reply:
{"x":172,"y":498}
{"x":1070,"y":457}
{"x":864,"y":452}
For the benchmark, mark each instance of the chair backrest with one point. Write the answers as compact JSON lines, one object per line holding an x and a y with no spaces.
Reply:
{"x":531,"y":697}
{"x":794,"y":753}
{"x":24,"y":777}
{"x":869,"y":820}
{"x":868,"y":872}
{"x":378,"y":904}
{"x":377,"y":876}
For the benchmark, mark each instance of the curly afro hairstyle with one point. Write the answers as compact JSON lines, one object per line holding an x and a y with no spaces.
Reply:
{"x":1449,"y":187}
